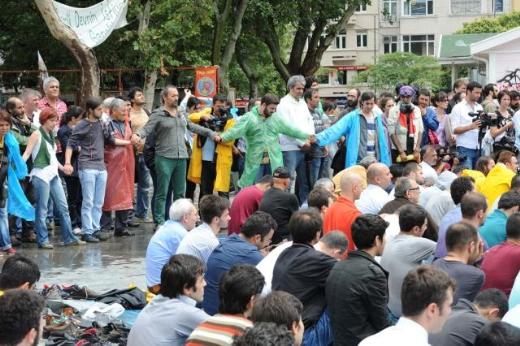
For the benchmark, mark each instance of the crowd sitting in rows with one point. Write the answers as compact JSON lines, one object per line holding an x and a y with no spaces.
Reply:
{"x":395,"y":220}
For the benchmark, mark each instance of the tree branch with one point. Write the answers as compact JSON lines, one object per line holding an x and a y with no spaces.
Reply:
{"x":271,"y":40}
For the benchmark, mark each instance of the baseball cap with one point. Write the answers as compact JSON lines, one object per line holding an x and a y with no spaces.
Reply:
{"x":281,"y":172}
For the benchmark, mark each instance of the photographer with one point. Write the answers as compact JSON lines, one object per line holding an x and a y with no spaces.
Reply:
{"x":405,"y":126}
{"x":465,"y":127}
{"x":502,"y":130}
{"x":210,"y":163}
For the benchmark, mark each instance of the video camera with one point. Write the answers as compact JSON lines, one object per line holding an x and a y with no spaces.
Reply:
{"x":486,"y":119}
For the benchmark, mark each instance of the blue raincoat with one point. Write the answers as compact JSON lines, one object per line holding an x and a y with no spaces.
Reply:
{"x":348,"y":126}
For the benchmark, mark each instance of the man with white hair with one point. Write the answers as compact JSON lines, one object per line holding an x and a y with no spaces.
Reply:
{"x":294,"y":110}
{"x":374,"y":197}
{"x":164,"y":243}
{"x":51,"y":88}
{"x":30,"y":99}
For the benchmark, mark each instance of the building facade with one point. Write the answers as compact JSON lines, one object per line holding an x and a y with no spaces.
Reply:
{"x":388,"y":26}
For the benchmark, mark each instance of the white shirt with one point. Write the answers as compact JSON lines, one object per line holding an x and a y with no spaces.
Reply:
{"x":429,"y":173}
{"x":297,"y":114}
{"x":459,"y":117}
{"x":372,"y":199}
{"x":405,"y":333}
{"x":438,"y":205}
{"x":49,"y":172}
{"x":199,"y":242}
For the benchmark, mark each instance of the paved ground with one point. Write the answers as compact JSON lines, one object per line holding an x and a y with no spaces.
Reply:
{"x":116,"y":263}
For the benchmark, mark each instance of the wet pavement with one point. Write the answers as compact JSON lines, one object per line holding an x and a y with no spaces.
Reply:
{"x":115,"y":263}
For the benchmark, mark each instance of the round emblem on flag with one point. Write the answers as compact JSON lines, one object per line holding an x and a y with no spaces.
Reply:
{"x":205,"y":86}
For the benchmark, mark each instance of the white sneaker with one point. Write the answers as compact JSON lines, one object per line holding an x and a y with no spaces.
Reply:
{"x":76,"y":231}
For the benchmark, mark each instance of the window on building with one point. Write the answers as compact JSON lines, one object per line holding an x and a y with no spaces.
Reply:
{"x":419,"y":44}
{"x":361,"y":8}
{"x":499,"y":6}
{"x":342,"y":77}
{"x":417,"y":7}
{"x":341,"y":40}
{"x":390,"y":44}
{"x":362,"y":39}
{"x":466,"y":7}
{"x":322,"y":77}
{"x":390,"y":8}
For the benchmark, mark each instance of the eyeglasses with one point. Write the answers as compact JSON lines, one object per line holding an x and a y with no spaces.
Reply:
{"x":414,"y":188}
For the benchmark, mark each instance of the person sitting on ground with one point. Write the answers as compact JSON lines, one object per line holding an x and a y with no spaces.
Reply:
{"x":473,"y":208}
{"x":482,"y":168}
{"x":280,"y":203}
{"x":498,"y":333}
{"x":437,"y":198}
{"x":281,"y":308}
{"x":501,"y":263}
{"x":458,"y":188}
{"x":426,"y":296}
{"x":334,"y":244}
{"x":265,"y":334}
{"x":172,"y":315}
{"x":302,"y":271}
{"x":343,"y":211}
{"x":164,"y":243}
{"x":468,"y":318}
{"x":493,"y":231}
{"x":407,"y":191}
{"x":244,"y":248}
{"x":429,"y":165}
{"x":464,"y":249}
{"x":238,"y":291}
{"x":246,"y":202}
{"x":21,"y":321}
{"x":320,"y":199}
{"x":202,"y":240}
{"x":374,"y":197}
{"x":515,"y":186}
{"x":405,"y":252}
{"x":499,"y":178}
{"x":19,"y":272}
{"x":357,"y":289}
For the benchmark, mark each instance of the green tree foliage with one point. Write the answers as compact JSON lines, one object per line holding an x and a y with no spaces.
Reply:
{"x":313,"y":25}
{"x":498,"y":24}
{"x":407,"y":68}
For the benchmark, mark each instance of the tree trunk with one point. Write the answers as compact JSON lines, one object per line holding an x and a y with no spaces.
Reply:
{"x":252,"y":76}
{"x":150,"y":75}
{"x":90,"y":76}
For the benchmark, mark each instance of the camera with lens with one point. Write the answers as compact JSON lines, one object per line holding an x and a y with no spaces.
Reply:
{"x":406,"y":108}
{"x":486,"y":119}
{"x":217,"y":124}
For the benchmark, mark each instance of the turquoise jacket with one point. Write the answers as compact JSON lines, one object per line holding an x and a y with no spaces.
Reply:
{"x":348,"y":126}
{"x":17,"y":203}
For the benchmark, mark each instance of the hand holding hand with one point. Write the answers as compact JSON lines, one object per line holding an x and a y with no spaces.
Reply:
{"x":135,"y":139}
{"x":217,"y":139}
{"x":313,"y":139}
{"x":68,"y":169}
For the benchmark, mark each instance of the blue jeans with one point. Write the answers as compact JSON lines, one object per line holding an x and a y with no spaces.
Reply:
{"x":472,"y":156}
{"x":264,"y":169}
{"x":294,"y":161}
{"x":5,"y":239}
{"x":143,"y":188}
{"x":93,"y":183}
{"x":320,"y":334}
{"x":54,"y":189}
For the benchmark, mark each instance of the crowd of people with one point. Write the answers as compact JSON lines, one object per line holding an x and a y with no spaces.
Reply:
{"x":392,"y":221}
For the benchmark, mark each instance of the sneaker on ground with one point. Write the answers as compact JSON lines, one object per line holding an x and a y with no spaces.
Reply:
{"x":76,"y":231}
{"x":46,"y":246}
{"x":123,"y":233}
{"x":10,"y":251}
{"x":101,"y":235}
{"x":89,"y":238}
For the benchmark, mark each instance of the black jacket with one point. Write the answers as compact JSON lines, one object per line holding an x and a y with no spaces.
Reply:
{"x":302,"y":271}
{"x":357,"y":298}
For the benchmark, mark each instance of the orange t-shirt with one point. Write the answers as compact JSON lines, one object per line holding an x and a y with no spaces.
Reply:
{"x":339,"y":217}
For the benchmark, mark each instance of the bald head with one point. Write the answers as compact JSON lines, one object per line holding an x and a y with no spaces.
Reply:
{"x":379,"y":174}
{"x":351,"y":186}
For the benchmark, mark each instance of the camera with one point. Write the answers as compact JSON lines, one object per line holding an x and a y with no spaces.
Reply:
{"x":486,"y":119}
{"x":217,"y":124}
{"x":406,"y":108}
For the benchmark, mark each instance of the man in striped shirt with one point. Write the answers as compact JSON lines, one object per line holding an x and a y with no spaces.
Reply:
{"x":239,"y":288}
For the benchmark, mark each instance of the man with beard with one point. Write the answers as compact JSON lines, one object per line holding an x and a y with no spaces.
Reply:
{"x":168,"y":126}
{"x":260,"y":129}
{"x":22,"y":130}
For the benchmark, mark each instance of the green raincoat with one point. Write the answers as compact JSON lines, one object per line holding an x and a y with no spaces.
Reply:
{"x":261,"y":135}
